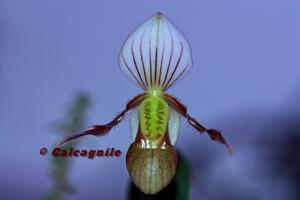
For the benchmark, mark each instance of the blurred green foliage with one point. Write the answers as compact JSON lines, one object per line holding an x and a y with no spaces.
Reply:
{"x":73,"y":122}
{"x":182,"y":179}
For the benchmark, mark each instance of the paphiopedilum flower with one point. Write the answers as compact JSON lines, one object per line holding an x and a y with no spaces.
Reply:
{"x":155,"y":56}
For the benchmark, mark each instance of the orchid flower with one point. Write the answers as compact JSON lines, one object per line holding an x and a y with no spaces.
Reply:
{"x":154,"y":56}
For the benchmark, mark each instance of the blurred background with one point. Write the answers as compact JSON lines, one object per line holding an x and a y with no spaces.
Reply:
{"x":59,"y":73}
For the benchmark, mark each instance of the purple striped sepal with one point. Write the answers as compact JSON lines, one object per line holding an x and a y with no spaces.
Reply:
{"x":156,"y":54}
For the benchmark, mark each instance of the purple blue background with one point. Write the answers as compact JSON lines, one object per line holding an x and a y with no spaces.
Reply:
{"x":245,"y":81}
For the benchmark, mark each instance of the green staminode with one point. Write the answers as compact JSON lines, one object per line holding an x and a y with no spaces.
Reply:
{"x":154,"y":115}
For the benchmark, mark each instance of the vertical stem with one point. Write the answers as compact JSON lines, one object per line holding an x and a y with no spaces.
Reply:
{"x":74,"y":121}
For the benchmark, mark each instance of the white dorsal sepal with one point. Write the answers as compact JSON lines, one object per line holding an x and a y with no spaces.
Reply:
{"x":156,"y":54}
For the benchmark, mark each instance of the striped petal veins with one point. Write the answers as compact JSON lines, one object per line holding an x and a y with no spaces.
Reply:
{"x":156,"y":54}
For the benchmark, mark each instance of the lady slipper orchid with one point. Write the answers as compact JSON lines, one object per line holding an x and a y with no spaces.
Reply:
{"x":154,"y":56}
